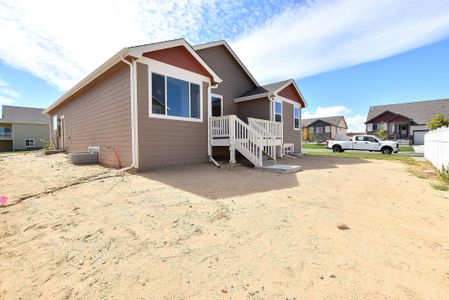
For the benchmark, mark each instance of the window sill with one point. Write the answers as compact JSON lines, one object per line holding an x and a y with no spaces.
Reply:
{"x":156,"y":116}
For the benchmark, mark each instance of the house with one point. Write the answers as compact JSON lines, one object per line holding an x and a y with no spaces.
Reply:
{"x":405,"y":122}
{"x":22,"y":128}
{"x":169,"y":103}
{"x":323,"y":129}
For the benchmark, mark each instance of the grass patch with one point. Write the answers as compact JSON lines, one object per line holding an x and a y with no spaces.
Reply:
{"x":314,"y":146}
{"x":440,"y":186}
{"x":406,"y":148}
{"x":364,"y":156}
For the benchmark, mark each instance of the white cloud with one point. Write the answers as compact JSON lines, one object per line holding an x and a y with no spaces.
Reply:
{"x":355,"y":121}
{"x":6,"y":92}
{"x":323,"y":35}
{"x":4,"y":100}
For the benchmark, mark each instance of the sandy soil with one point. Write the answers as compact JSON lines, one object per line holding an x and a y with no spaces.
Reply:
{"x":198,"y":232}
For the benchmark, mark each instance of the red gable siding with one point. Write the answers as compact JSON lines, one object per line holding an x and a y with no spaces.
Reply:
{"x":388,"y":117}
{"x":179,"y":57}
{"x":291,"y":93}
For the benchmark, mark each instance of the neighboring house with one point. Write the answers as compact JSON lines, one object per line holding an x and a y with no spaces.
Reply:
{"x":170,"y":103}
{"x":405,"y":122}
{"x":23,"y":128}
{"x":322,"y":129}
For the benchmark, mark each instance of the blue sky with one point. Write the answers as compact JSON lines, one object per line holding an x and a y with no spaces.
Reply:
{"x":345,"y":54}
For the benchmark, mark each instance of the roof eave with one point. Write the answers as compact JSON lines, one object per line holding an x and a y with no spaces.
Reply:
{"x":252,"y":97}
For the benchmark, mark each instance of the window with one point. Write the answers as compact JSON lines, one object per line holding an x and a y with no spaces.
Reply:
{"x":217,"y":105}
{"x":29,"y":143}
{"x":296,"y":117}
{"x":55,"y":122}
{"x":319,"y":129}
{"x":375,"y":127}
{"x":370,"y":139}
{"x":175,"y":97}
{"x":278,"y":111}
{"x":359,"y":138}
{"x":327,"y":129}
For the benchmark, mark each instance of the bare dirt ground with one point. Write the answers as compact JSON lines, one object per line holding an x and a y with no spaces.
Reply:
{"x":198,"y":232}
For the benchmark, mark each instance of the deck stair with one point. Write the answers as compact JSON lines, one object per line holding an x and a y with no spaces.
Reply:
{"x":257,"y":141}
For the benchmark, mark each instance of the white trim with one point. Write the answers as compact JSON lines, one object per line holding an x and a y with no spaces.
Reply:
{"x":217,"y":96}
{"x":136,"y":52}
{"x":297,"y":106}
{"x":224,"y":43}
{"x":177,"y":73}
{"x":29,"y":146}
{"x":286,"y":100}
{"x":62,"y":118}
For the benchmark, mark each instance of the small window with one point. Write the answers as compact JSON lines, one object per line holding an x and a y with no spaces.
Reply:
{"x":296,"y":117}
{"x":217,"y":105}
{"x":359,"y":138}
{"x":55,"y":122}
{"x":278,"y":111}
{"x":327,"y":129}
{"x":319,"y":129}
{"x":370,"y":139}
{"x":29,"y":143}
{"x":375,"y":127}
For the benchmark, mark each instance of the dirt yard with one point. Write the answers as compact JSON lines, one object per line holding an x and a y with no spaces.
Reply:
{"x":198,"y":232}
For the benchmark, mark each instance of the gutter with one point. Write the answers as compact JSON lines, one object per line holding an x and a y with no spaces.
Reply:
{"x":209,"y":113}
{"x":134,"y":127}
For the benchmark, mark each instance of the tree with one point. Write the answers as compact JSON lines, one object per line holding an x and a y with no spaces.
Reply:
{"x":437,"y":122}
{"x":382,"y":134}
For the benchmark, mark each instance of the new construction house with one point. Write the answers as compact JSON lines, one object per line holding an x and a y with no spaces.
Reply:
{"x":169,"y":103}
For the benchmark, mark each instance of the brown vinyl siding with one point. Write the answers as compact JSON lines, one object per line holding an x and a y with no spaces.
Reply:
{"x":235,"y":80}
{"x":164,"y":142}
{"x":100,"y":115}
{"x":257,"y":108}
{"x":291,"y":136}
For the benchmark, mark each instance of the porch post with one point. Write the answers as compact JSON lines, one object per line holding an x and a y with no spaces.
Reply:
{"x":232,"y":139}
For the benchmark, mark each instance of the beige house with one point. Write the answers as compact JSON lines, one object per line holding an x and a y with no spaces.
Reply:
{"x":170,"y":103}
{"x":323,"y":129}
{"x":22,"y":128}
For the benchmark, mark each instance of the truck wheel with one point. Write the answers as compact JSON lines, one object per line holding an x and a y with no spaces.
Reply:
{"x":387,"y":150}
{"x":337,"y":148}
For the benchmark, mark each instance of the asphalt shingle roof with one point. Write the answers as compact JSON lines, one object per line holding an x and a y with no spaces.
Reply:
{"x":420,"y":111}
{"x":24,"y":115}
{"x":268,"y":88}
{"x":331,"y":120}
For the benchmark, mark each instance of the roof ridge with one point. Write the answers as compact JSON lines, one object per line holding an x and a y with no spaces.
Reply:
{"x":410,"y":102}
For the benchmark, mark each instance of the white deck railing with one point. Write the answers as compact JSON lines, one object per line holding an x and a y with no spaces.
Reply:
{"x":436,"y":147}
{"x":252,"y":141}
{"x":275,"y":128}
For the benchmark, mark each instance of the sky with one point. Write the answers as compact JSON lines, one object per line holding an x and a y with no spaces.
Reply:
{"x":345,"y":55}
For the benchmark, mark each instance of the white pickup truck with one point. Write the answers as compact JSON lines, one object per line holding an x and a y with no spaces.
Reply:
{"x":364,"y":143}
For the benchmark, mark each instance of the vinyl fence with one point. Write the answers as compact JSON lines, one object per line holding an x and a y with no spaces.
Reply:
{"x":436,"y":147}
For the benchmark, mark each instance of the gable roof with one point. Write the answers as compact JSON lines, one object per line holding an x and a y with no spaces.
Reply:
{"x":335,"y":121}
{"x":136,"y":52}
{"x":269,"y":90}
{"x":226,"y":45}
{"x":420,"y":111}
{"x":24,"y":115}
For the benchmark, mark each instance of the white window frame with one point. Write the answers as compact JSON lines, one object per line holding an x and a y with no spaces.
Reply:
{"x":29,"y":146}
{"x":274,"y":110}
{"x":165,"y":70}
{"x":216,"y":96}
{"x":296,"y":106}
{"x":327,"y":129}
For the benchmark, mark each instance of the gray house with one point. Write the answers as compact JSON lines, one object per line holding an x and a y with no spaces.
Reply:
{"x":322,"y":129}
{"x":405,"y":122}
{"x":23,"y":128}
{"x":169,"y":103}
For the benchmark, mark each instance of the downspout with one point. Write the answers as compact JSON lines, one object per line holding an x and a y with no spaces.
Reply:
{"x":132,"y":82}
{"x":209,"y":112}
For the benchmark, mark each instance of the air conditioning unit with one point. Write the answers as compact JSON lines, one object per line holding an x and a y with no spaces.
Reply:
{"x":289,"y":148}
{"x":93,"y":149}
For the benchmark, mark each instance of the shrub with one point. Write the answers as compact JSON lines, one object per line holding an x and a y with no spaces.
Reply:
{"x":381,"y":134}
{"x":437,"y":122}
{"x":443,"y":174}
{"x":46,"y":144}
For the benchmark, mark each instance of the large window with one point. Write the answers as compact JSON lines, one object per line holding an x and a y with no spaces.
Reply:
{"x":296,"y":117}
{"x":278,"y":111}
{"x":217,"y":105}
{"x":175,"y":97}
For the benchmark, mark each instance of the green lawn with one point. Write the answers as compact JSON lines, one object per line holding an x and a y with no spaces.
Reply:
{"x":363,"y":155}
{"x":314,"y":146}
{"x":406,"y":148}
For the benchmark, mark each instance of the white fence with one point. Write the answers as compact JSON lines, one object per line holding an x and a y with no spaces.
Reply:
{"x":436,"y":147}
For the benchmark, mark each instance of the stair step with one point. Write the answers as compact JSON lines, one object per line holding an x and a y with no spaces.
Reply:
{"x":268,"y":162}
